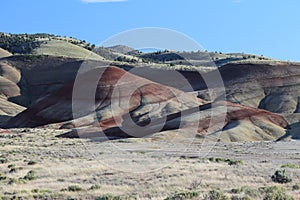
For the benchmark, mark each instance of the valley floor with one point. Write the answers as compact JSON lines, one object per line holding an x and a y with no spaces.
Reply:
{"x":36,"y":164}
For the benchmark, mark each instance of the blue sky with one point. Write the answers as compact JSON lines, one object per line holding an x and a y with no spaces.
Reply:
{"x":264,"y":27}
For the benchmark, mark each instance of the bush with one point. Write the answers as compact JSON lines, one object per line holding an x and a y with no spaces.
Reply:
{"x":281,"y":177}
{"x":73,"y":188}
{"x":184,"y":195}
{"x":229,"y":161}
{"x":30,"y":176}
{"x":3,"y":160}
{"x":216,"y":195}
{"x":11,"y":166}
{"x":12,"y":170}
{"x":31,"y":162}
{"x":2,"y":177}
{"x":296,"y":187}
{"x":95,"y":187}
{"x":236,"y":191}
{"x":40,"y":191}
{"x":16,"y":181}
{"x":108,"y":197}
{"x":233,"y":162}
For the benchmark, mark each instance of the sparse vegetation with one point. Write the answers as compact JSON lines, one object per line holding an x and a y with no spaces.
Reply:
{"x":216,"y":195}
{"x":240,"y":198}
{"x":126,"y":59}
{"x":292,"y":166}
{"x":16,"y":181}
{"x":188,"y":174}
{"x":73,"y":188}
{"x":31,"y":57}
{"x":26,"y":43}
{"x":19,"y":43}
{"x":275,"y":193}
{"x":40,"y":191}
{"x":195,"y":184}
{"x":229,"y":161}
{"x":108,"y":197}
{"x":246,"y":191}
{"x":31,"y":175}
{"x":95,"y":187}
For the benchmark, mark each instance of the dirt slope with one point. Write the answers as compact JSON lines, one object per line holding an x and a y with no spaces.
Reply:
{"x":4,"y":53}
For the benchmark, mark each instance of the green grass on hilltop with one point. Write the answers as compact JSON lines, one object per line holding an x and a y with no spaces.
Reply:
{"x":65,"y":49}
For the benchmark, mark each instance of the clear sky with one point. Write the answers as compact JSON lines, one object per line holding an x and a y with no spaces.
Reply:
{"x":265,"y":27}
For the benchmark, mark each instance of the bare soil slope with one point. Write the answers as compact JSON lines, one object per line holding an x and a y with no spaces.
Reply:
{"x":4,"y":53}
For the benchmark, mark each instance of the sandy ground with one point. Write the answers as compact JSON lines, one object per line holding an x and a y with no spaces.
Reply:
{"x":149,"y":168}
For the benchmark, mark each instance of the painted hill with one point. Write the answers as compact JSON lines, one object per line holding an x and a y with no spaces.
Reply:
{"x":273,"y":87}
{"x":241,"y":124}
{"x":147,"y":101}
{"x":9,"y":79}
{"x":8,"y":109}
{"x":151,"y":101}
{"x":250,"y":124}
{"x":35,"y":76}
{"x":4,"y":53}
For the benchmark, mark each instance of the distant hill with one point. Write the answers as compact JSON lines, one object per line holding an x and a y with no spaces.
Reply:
{"x":198,"y":58}
{"x":46,"y":44}
{"x":112,"y":55}
{"x":54,"y":45}
{"x":64,"y":48}
{"x":124,"y":50}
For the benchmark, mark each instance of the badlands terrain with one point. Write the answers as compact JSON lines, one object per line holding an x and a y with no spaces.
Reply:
{"x":84,"y":122}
